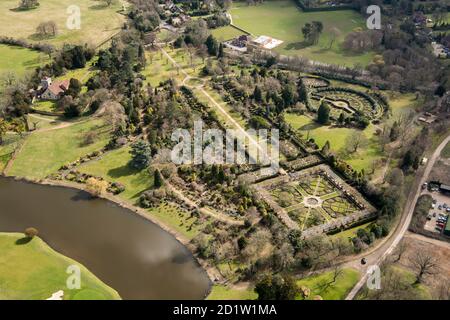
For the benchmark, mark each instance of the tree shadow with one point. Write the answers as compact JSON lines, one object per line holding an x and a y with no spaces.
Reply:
{"x":125,"y":170}
{"x":81,"y":196}
{"x":310,"y":126}
{"x":39,"y":37}
{"x":19,"y":9}
{"x":23,"y":241}
{"x":99,"y":6}
{"x":297,"y":45}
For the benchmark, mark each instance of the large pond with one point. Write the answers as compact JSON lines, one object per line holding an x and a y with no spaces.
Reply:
{"x":129,"y":253}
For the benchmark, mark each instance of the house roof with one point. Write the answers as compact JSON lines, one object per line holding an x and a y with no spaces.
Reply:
{"x":58,"y":87}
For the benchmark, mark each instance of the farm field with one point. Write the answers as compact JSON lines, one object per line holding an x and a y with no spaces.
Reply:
{"x":283,"y":20}
{"x":98,"y":21}
{"x":34,"y":271}
{"x":46,"y":151}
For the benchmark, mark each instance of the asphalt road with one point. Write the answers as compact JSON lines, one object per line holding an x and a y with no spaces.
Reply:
{"x":376,"y":256}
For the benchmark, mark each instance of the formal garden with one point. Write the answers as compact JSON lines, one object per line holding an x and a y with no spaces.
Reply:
{"x":313,"y":197}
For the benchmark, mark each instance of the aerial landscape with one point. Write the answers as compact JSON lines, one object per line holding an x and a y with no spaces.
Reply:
{"x":224,"y":150}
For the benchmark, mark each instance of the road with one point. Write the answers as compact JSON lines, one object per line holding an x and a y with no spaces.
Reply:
{"x":376,"y":256}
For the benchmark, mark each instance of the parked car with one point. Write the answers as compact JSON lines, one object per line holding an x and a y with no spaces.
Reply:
{"x":440,"y":207}
{"x":438,"y":229}
{"x":434,"y":214}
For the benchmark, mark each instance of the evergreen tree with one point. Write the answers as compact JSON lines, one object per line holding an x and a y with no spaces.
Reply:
{"x":211,"y":44}
{"x":326,"y":148}
{"x":220,"y":53}
{"x":257,"y":94}
{"x":141,"y":155}
{"x":159,"y":181}
{"x":323,"y":113}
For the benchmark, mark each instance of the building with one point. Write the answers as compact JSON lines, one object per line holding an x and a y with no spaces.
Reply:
{"x":265,"y":42}
{"x":53,"y":90}
{"x":444,"y":188}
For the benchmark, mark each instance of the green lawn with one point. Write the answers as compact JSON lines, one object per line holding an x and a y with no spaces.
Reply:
{"x":220,"y":292}
{"x":226,"y":33}
{"x":98,"y":21}
{"x":362,"y":159}
{"x":45,"y":152}
{"x":337,"y":291}
{"x":179,"y":220}
{"x":350,"y":233}
{"x":113,"y":166}
{"x":34,"y":271}
{"x":283,"y":20}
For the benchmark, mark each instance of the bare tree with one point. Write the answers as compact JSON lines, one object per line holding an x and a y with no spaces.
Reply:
{"x":334,"y":34}
{"x":46,"y":29}
{"x":355,"y":141}
{"x":424,"y":264}
{"x":400,"y":250}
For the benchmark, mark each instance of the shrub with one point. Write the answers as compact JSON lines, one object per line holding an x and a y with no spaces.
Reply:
{"x":31,"y":232}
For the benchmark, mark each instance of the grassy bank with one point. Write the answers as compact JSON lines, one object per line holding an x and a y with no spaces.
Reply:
{"x":33,"y":271}
{"x":46,"y":151}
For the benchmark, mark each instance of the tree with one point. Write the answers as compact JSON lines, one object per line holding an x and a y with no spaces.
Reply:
{"x":141,"y":153}
{"x":74,"y":88}
{"x":28,"y":4}
{"x":47,"y":29}
{"x":96,"y":187}
{"x":400,"y":250}
{"x":326,"y":148}
{"x":257,"y":94}
{"x":311,"y":31}
{"x":323,"y":113}
{"x":3,"y":129}
{"x":220,"y":53}
{"x":159,"y":180}
{"x":212,"y":45}
{"x":424,"y":264}
{"x":31,"y":232}
{"x":355,"y":141}
{"x":334,"y":34}
{"x":277,"y":287}
{"x":396,"y":177}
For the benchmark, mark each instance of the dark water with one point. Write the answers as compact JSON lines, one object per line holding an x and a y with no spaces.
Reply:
{"x":124,"y":250}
